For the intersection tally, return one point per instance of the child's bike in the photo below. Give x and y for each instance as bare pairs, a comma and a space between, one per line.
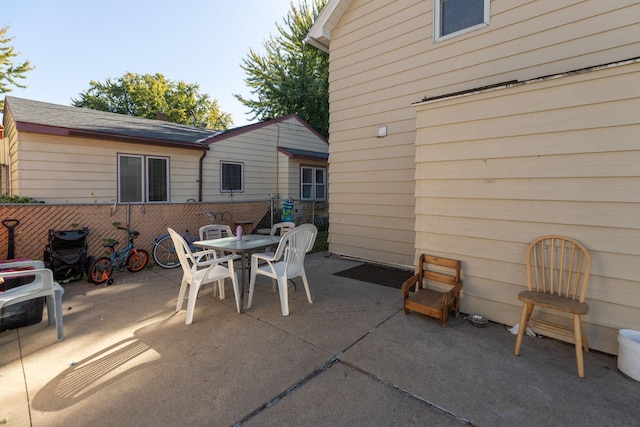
129, 257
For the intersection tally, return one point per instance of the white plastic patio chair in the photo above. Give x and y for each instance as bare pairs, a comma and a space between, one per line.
200, 269
286, 263
214, 231
42, 286
280, 228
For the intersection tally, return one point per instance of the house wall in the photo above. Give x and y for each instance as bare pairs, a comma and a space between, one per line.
7, 142
265, 170
285, 188
383, 59
290, 175
557, 156
58, 169
256, 151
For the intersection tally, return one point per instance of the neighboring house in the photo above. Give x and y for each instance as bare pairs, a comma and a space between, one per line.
61, 154
283, 157
466, 128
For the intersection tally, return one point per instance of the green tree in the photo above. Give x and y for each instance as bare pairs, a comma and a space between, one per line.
10, 72
292, 76
149, 95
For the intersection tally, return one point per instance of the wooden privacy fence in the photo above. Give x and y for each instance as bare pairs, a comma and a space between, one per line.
31, 235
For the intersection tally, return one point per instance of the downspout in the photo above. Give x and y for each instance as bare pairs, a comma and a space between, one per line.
5, 160
200, 167
277, 162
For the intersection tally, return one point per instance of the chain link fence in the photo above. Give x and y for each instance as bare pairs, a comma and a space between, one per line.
30, 236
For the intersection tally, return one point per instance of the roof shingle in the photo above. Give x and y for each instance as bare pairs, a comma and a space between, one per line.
83, 121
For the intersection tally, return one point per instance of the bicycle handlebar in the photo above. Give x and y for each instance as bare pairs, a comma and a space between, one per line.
216, 217
127, 229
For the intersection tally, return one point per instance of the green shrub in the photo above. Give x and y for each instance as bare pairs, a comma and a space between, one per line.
18, 199
321, 244
322, 222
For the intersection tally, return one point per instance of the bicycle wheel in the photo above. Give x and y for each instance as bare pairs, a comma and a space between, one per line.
100, 271
164, 253
137, 260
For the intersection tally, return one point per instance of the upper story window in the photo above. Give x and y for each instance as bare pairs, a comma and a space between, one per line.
455, 17
142, 178
313, 183
231, 177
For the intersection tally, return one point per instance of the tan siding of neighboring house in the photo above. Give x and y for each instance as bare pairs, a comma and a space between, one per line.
44, 162
556, 156
290, 184
8, 152
285, 187
291, 180
383, 59
266, 171
256, 151
62, 169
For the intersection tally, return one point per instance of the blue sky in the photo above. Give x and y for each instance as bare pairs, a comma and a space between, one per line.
71, 42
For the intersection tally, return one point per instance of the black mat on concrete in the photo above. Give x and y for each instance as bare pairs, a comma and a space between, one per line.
377, 274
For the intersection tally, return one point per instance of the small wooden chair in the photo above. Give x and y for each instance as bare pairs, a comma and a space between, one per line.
557, 276
437, 287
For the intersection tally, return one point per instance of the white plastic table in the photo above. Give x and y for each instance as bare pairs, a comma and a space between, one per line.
249, 244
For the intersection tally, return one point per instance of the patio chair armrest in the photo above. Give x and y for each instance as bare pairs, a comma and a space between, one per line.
43, 274
457, 287
198, 255
268, 257
452, 293
21, 264
19, 273
215, 261
414, 280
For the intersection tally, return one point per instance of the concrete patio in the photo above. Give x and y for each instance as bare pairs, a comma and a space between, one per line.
350, 358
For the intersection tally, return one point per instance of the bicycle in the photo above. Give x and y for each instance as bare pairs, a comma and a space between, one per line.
164, 253
130, 257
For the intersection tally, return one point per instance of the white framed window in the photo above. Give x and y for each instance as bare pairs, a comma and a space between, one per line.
157, 179
231, 177
455, 17
142, 178
313, 183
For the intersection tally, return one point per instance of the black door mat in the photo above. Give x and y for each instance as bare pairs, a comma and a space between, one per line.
377, 274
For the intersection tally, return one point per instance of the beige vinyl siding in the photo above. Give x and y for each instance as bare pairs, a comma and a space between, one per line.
289, 167
556, 156
285, 186
292, 179
59, 169
371, 179
266, 171
383, 59
295, 178
63, 169
258, 156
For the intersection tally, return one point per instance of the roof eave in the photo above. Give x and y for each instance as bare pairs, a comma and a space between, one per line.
60, 131
321, 157
320, 33
319, 42
254, 126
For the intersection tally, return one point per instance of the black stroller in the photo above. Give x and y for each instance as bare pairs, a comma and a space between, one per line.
66, 254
